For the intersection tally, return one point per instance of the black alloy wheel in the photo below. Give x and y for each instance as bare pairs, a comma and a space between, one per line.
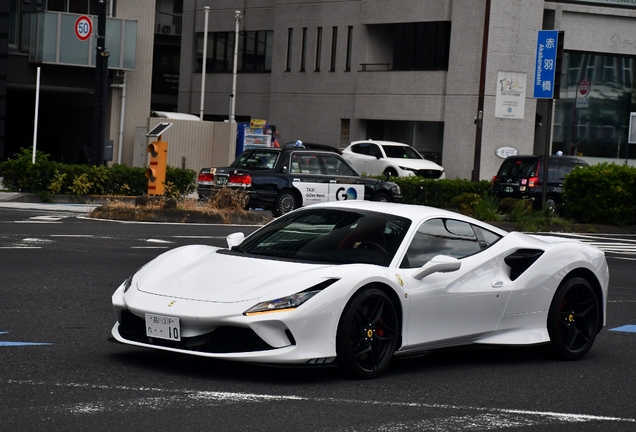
367, 334
573, 319
286, 201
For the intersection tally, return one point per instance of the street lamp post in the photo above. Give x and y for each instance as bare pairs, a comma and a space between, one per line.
206, 11
237, 19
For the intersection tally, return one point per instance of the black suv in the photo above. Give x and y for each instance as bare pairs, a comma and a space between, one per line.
522, 177
283, 179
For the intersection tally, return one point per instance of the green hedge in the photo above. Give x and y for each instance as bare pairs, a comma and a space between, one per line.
603, 193
437, 193
45, 176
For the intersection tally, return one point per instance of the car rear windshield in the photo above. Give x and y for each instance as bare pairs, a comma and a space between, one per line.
517, 168
256, 159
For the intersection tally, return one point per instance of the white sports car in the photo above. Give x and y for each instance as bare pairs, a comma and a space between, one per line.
355, 283
391, 159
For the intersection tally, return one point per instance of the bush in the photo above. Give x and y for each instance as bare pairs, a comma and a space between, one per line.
437, 193
22, 175
603, 193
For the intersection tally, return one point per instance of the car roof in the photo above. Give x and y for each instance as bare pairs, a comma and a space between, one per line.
381, 142
410, 211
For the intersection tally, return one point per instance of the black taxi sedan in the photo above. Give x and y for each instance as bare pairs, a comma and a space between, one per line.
283, 179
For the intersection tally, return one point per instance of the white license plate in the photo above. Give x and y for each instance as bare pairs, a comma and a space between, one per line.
163, 327
508, 189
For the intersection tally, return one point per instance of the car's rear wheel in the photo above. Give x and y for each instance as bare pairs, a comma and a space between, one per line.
367, 334
286, 201
573, 319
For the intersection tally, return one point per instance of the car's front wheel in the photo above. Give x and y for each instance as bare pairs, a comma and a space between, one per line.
390, 172
381, 197
286, 201
573, 319
367, 334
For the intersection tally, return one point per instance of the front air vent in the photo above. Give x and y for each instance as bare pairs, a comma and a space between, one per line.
521, 260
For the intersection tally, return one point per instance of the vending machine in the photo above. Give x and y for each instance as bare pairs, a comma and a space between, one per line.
255, 134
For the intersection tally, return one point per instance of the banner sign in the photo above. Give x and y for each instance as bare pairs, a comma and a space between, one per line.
511, 95
545, 64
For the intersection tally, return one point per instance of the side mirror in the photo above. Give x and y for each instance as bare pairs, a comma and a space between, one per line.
235, 239
438, 264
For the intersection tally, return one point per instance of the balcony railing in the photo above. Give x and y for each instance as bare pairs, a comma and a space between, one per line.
167, 23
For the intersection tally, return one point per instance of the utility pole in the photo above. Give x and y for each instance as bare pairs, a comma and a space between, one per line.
101, 88
237, 20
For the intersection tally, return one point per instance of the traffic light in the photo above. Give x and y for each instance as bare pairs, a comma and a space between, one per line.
156, 171
559, 65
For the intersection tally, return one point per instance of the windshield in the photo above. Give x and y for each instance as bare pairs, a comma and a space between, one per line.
256, 159
330, 236
401, 152
516, 168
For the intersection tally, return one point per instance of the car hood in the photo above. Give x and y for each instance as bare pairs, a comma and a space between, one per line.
202, 273
419, 164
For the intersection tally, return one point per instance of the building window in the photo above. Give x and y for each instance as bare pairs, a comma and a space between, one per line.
422, 46
14, 13
254, 51
303, 52
349, 47
75, 6
318, 48
334, 44
290, 38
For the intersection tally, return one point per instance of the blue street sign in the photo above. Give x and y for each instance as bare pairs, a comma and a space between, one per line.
545, 64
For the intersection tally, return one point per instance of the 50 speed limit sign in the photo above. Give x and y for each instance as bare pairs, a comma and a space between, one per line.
83, 27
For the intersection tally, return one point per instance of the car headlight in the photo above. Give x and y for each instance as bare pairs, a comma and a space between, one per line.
282, 304
128, 282
290, 302
407, 169
396, 190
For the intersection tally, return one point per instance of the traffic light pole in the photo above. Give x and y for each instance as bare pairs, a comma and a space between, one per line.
96, 156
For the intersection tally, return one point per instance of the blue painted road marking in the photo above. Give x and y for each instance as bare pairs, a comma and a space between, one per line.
4, 344
625, 328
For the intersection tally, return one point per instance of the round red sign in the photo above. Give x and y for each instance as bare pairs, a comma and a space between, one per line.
83, 27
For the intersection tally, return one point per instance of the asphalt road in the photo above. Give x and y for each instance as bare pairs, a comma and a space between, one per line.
59, 372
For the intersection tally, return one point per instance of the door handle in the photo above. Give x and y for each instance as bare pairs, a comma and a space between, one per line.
497, 284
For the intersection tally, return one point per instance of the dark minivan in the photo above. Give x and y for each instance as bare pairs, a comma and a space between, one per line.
522, 177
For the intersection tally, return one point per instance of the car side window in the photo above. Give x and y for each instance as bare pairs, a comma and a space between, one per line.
441, 237
336, 166
306, 163
361, 149
375, 151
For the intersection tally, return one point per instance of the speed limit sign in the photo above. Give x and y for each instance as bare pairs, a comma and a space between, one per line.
83, 27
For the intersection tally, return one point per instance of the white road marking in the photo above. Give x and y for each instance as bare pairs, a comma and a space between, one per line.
200, 237
48, 218
157, 241
482, 419
149, 247
36, 222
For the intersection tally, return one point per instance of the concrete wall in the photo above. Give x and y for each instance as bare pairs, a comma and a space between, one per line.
201, 143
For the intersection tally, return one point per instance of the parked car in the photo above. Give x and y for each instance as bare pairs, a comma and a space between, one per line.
522, 177
391, 159
283, 179
356, 283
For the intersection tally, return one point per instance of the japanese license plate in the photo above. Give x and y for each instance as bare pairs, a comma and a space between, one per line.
220, 181
163, 327
508, 189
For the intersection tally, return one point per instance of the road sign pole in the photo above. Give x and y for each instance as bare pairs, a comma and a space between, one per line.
101, 81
